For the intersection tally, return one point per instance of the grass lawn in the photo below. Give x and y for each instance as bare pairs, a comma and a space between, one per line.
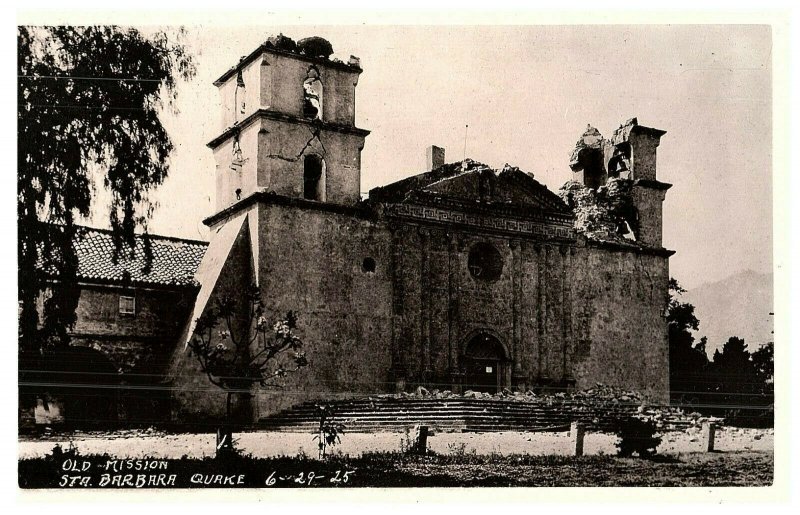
387, 469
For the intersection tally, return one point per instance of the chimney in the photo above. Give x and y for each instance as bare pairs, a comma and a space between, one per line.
435, 157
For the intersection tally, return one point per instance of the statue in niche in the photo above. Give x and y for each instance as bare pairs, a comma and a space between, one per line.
312, 95
486, 185
238, 157
239, 95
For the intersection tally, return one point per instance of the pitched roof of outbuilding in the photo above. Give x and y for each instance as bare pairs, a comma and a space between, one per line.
174, 262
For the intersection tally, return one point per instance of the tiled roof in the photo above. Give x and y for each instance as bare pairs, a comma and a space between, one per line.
174, 263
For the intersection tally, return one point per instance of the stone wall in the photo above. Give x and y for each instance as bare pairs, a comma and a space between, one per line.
388, 304
133, 341
312, 262
619, 324
567, 314
442, 306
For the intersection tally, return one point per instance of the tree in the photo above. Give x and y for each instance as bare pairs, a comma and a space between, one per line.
701, 345
241, 354
738, 390
687, 364
733, 370
88, 101
764, 363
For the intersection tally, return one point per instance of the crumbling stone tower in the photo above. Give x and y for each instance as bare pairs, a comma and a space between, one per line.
288, 125
587, 161
630, 154
632, 149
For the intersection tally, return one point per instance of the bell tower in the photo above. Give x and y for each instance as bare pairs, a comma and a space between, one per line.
288, 125
632, 154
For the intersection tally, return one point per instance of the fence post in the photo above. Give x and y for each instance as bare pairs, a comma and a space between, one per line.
421, 440
709, 430
576, 431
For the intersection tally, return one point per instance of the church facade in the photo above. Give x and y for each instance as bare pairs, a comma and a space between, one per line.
461, 277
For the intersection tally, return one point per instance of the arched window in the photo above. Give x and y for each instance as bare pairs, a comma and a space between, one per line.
312, 95
238, 96
314, 178
619, 166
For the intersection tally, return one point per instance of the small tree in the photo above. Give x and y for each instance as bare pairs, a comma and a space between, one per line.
328, 431
239, 352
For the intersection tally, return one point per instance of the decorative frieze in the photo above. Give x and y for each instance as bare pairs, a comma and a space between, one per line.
557, 230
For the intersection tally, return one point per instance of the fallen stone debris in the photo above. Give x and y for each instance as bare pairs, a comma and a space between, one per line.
606, 213
601, 398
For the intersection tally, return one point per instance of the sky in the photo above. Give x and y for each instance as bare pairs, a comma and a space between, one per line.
527, 93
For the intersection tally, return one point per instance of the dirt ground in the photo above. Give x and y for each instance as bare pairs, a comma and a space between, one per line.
153, 444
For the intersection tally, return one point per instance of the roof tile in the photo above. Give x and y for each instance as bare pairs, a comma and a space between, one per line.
175, 260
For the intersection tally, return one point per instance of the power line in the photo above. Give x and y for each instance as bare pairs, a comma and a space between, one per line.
70, 77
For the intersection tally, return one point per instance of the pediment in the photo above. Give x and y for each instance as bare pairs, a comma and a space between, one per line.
488, 186
474, 183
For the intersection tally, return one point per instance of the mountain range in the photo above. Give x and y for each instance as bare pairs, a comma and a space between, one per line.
739, 305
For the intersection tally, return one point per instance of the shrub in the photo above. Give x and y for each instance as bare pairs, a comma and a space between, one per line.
637, 435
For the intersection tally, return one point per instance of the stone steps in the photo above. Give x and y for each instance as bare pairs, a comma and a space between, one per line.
449, 415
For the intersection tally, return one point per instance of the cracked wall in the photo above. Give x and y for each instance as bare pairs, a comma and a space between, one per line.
263, 148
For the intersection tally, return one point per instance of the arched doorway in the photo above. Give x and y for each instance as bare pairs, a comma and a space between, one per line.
86, 383
485, 361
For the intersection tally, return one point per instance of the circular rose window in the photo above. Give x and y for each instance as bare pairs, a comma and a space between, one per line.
485, 262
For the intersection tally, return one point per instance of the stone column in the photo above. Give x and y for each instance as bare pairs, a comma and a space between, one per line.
397, 372
569, 333
425, 303
532, 310
517, 375
455, 249
452, 297
544, 340
564, 309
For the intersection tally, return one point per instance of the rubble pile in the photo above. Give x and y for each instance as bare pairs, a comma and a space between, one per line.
600, 401
607, 213
599, 394
314, 47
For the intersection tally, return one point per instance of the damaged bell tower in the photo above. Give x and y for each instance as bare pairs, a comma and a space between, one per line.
632, 153
629, 155
288, 125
